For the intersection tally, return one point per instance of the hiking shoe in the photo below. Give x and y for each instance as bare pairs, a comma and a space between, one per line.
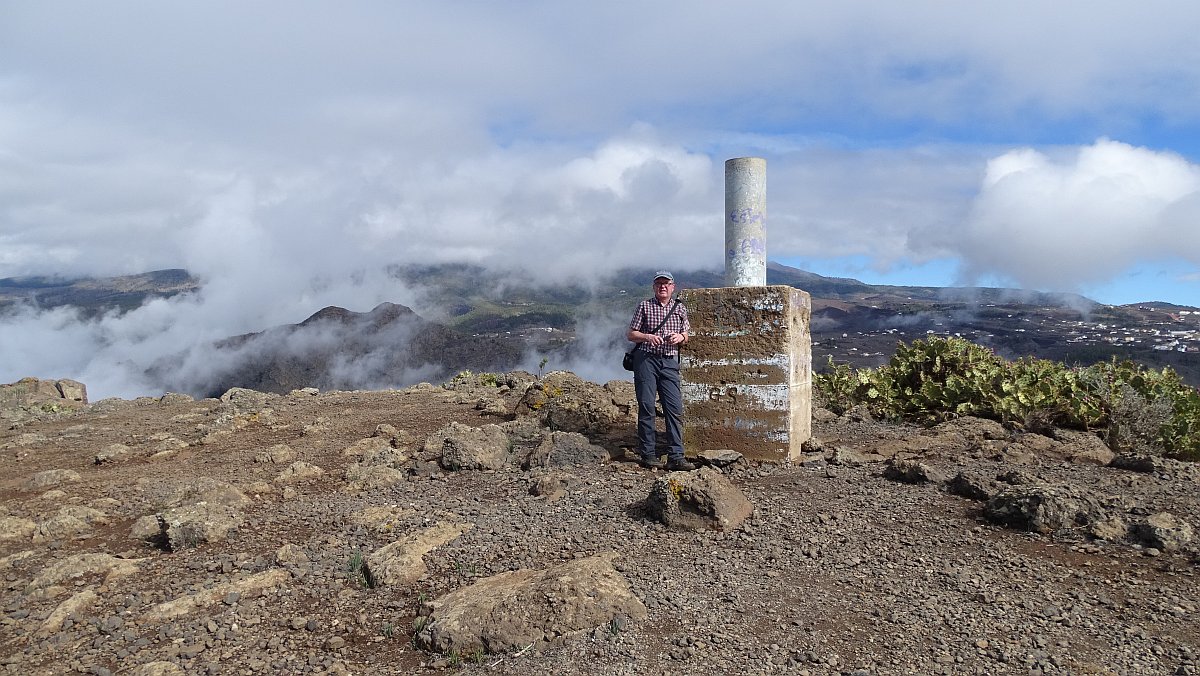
651, 463
681, 466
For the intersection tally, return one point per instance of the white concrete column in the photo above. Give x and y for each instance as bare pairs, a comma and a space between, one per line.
745, 221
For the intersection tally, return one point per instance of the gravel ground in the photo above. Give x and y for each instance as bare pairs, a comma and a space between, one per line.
838, 571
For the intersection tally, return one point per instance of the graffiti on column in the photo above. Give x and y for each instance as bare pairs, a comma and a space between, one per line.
748, 246
746, 215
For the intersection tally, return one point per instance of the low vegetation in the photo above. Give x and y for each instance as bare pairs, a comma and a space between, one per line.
1134, 407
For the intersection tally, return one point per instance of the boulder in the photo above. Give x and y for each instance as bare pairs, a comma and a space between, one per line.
361, 476
700, 500
1016, 477
368, 445
1164, 531
397, 438
972, 487
192, 525
514, 610
145, 528
1043, 508
175, 398
297, 472
276, 455
912, 472
244, 587
16, 528
974, 430
381, 518
402, 562
69, 521
1144, 464
848, 457
721, 457
291, 554
564, 401
242, 400
1015, 454
565, 449
1110, 528
188, 491
219, 493
491, 405
1082, 447
30, 392
1037, 444
79, 565
25, 440
166, 447
76, 604
71, 390
51, 478
464, 447
549, 486
112, 453
384, 456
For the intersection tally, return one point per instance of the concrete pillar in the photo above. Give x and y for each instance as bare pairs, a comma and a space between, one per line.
745, 221
747, 371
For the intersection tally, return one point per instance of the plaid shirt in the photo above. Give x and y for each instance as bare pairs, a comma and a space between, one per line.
648, 315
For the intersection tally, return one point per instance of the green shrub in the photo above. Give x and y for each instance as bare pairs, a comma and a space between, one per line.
939, 378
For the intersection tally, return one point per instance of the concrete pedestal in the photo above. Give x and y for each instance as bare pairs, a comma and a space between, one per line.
747, 371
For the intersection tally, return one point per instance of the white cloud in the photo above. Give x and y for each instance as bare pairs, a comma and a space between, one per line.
1081, 216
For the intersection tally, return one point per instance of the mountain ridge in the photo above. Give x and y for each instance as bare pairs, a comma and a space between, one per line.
467, 317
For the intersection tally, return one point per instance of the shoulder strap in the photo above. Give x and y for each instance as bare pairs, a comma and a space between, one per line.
664, 321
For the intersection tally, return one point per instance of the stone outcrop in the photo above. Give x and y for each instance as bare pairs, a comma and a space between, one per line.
1084, 447
242, 400
16, 528
51, 478
68, 521
522, 608
297, 472
79, 565
77, 603
563, 401
200, 600
1164, 531
402, 562
28, 392
278, 454
1042, 508
972, 486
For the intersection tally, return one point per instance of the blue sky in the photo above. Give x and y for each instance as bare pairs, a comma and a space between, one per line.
288, 152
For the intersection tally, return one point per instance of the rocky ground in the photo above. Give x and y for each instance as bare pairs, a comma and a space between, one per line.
363, 532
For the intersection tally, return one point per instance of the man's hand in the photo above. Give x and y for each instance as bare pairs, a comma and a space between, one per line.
675, 338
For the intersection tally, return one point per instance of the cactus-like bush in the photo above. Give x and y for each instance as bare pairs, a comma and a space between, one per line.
935, 379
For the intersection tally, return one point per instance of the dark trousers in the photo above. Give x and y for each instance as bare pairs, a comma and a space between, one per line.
652, 375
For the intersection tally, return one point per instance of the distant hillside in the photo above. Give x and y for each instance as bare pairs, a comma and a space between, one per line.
335, 348
94, 295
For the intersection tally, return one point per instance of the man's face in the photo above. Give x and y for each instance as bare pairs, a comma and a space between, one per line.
663, 288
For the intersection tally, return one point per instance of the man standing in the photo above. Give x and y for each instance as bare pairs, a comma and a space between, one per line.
659, 326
